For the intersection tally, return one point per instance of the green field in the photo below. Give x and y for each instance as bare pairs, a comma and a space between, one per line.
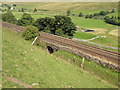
18, 15
82, 35
91, 23
32, 64
101, 29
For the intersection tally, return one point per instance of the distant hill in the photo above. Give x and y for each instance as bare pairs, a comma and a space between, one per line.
63, 6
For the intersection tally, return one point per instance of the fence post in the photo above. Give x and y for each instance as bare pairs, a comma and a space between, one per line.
82, 62
34, 40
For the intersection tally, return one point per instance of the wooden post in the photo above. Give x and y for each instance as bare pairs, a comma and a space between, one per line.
34, 40
82, 62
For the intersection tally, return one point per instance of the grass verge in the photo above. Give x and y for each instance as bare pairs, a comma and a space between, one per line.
92, 68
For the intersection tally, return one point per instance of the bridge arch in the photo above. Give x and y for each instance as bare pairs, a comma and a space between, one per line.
50, 49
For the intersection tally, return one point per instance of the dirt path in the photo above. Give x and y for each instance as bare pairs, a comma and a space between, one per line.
14, 80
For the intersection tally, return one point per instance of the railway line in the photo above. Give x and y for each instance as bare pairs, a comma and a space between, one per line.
78, 43
92, 50
113, 57
13, 26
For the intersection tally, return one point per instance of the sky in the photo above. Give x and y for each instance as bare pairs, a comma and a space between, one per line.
59, 0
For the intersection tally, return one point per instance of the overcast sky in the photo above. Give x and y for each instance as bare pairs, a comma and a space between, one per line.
59, 0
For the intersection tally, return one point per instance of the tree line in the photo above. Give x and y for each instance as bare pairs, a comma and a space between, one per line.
101, 15
59, 25
113, 20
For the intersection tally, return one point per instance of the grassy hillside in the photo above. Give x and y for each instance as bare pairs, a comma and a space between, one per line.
31, 65
82, 35
63, 6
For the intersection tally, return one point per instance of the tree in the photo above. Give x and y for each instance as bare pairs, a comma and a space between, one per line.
87, 16
35, 10
65, 24
25, 20
90, 16
118, 17
107, 17
102, 13
111, 20
107, 12
96, 14
59, 25
59, 32
9, 17
112, 17
2, 10
114, 22
68, 13
45, 24
14, 5
113, 10
22, 9
19, 10
80, 14
118, 23
30, 32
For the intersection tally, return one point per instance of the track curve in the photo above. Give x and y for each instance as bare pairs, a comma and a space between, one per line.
93, 50
101, 53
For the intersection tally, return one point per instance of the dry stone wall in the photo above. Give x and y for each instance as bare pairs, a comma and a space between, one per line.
84, 55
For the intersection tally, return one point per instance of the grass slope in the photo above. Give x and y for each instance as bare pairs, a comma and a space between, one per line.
31, 65
63, 6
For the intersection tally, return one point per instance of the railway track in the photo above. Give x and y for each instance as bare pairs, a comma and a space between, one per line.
92, 50
78, 43
113, 57
13, 26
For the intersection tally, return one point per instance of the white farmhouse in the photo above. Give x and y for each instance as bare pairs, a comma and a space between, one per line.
11, 8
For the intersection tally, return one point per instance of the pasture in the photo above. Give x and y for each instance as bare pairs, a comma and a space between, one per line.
91, 23
82, 35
